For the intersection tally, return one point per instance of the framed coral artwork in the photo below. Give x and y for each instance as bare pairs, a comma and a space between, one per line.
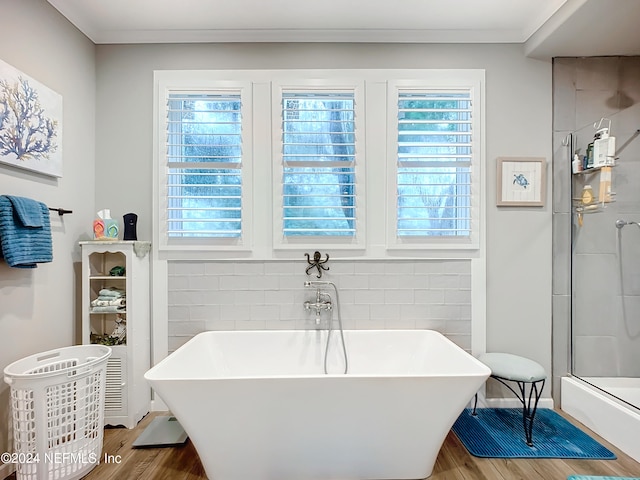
521, 182
30, 123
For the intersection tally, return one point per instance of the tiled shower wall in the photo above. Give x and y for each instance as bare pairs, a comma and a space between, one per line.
603, 297
269, 295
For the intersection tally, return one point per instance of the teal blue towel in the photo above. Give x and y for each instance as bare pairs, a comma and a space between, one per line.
25, 232
29, 211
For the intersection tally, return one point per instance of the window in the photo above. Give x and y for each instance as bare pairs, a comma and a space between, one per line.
318, 157
317, 148
202, 180
306, 136
434, 162
204, 159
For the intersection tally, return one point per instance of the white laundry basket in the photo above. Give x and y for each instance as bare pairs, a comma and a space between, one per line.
57, 403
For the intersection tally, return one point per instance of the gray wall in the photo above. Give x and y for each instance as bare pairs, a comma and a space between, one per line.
606, 336
38, 306
518, 123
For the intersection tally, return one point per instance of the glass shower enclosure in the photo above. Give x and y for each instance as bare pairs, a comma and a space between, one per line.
605, 261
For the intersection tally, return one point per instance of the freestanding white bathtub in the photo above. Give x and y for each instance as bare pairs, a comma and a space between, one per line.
257, 405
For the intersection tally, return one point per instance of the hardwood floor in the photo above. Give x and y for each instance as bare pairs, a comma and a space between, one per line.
453, 463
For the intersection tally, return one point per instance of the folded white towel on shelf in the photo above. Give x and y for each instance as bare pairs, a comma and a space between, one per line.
112, 292
108, 309
103, 301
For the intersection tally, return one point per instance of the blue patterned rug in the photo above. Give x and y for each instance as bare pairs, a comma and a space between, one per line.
498, 433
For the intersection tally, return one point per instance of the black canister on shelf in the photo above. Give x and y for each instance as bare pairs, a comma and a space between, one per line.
130, 226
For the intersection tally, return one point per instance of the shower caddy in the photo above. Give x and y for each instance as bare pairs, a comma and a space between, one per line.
126, 331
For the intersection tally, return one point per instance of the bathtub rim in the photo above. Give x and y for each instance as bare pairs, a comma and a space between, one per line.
150, 376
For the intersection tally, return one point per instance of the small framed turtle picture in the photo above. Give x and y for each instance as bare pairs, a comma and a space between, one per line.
521, 182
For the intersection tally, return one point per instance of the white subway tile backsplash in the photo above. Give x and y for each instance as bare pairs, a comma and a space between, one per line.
404, 268
220, 324
443, 280
399, 296
336, 268
434, 266
260, 282
204, 282
249, 268
464, 281
192, 327
385, 281
179, 311
384, 312
290, 282
400, 323
264, 312
249, 297
181, 282
234, 282
284, 297
353, 281
431, 324
176, 342
374, 294
279, 324
186, 297
203, 312
444, 311
435, 296
219, 268
251, 325
414, 311
235, 312
457, 296
356, 311
368, 297
367, 324
186, 268
222, 297
281, 268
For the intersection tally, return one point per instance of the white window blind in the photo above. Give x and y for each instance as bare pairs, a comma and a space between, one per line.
318, 163
204, 164
434, 162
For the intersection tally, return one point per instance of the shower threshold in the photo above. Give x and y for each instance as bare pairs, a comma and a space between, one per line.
625, 389
615, 420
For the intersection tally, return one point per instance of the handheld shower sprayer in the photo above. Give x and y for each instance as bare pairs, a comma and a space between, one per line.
621, 223
317, 283
328, 306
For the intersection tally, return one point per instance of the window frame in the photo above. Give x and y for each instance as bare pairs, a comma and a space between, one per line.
471, 81
376, 134
315, 85
166, 83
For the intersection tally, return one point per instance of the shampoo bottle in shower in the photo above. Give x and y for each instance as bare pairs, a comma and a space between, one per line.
589, 155
604, 148
587, 197
576, 165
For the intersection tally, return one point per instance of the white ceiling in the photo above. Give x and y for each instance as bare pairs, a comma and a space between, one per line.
543, 26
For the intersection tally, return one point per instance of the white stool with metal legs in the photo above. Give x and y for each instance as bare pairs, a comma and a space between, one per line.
524, 372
